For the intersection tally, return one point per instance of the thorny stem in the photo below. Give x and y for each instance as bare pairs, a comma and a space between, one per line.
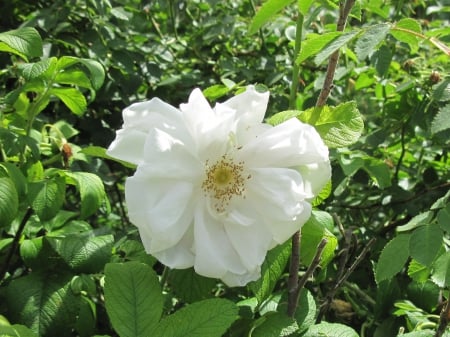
15, 242
344, 11
443, 320
294, 296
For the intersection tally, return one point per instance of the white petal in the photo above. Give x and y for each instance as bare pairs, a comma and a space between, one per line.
239, 280
179, 256
128, 146
250, 106
250, 242
315, 176
161, 209
139, 118
214, 253
291, 143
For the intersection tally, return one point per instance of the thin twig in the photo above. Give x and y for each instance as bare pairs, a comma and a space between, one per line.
295, 66
344, 11
15, 242
312, 267
293, 273
443, 320
330, 296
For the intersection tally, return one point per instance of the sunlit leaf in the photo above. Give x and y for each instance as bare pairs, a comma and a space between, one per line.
9, 201
393, 258
441, 270
266, 12
24, 42
72, 98
370, 38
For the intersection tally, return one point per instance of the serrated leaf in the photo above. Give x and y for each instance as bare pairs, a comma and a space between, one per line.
133, 298
443, 218
334, 45
82, 253
313, 231
418, 272
441, 270
418, 220
17, 177
47, 197
267, 11
271, 269
441, 121
96, 71
9, 201
381, 60
275, 324
338, 126
425, 243
314, 43
33, 70
210, 318
24, 42
369, 39
44, 303
190, 286
392, 258
404, 30
325, 329
91, 190
72, 98
306, 311
73, 77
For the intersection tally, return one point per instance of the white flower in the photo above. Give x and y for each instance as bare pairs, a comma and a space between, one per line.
215, 188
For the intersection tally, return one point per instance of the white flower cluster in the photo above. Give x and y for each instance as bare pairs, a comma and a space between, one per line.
216, 188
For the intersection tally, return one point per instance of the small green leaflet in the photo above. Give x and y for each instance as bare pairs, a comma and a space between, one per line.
393, 257
9, 201
266, 12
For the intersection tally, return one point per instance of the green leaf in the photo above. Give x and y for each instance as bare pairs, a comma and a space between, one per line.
306, 311
268, 10
91, 190
443, 218
381, 60
418, 272
314, 43
17, 177
43, 302
82, 253
325, 329
313, 231
47, 197
405, 31
216, 91
96, 71
190, 286
24, 42
441, 270
392, 258
31, 71
72, 98
275, 324
16, 330
425, 243
210, 318
370, 38
271, 270
283, 116
418, 220
133, 298
9, 201
73, 77
98, 151
304, 6
338, 126
441, 121
334, 45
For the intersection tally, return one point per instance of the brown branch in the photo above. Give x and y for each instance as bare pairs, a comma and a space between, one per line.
293, 274
344, 11
301, 283
443, 320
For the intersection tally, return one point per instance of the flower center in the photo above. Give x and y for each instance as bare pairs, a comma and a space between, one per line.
224, 180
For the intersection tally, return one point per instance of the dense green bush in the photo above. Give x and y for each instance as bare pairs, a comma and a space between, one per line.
71, 264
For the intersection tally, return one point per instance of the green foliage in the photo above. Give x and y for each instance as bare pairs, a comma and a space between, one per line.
71, 264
